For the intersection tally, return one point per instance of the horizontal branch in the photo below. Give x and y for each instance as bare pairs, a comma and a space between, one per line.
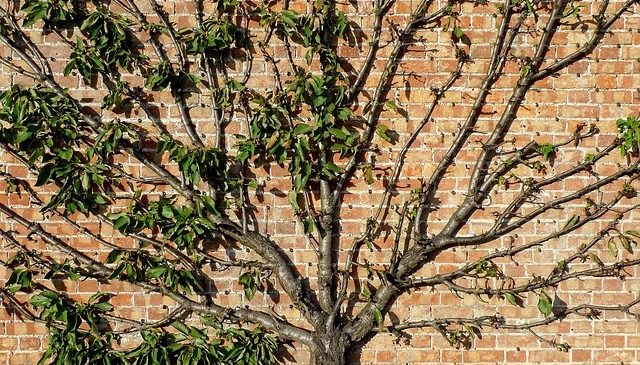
442, 325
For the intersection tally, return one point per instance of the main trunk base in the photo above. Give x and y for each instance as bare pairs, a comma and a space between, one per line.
330, 350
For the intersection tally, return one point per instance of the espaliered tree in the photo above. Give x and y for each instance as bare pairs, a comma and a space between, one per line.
321, 119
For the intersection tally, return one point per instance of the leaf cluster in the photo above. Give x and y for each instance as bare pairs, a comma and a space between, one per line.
629, 130
137, 266
37, 121
216, 35
80, 333
43, 126
195, 164
184, 225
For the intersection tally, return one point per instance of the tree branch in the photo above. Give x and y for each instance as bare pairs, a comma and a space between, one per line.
504, 40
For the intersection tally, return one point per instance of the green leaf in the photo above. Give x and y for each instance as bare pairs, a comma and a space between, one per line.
155, 272
367, 172
23, 136
249, 292
331, 170
383, 132
114, 256
43, 299
338, 133
572, 11
167, 212
99, 199
103, 307
378, 317
35, 155
613, 248
45, 174
473, 330
209, 203
530, 9
390, 104
593, 257
633, 233
180, 327
248, 281
366, 293
369, 244
98, 296
66, 154
575, 219
293, 200
71, 65
19, 279
308, 225
319, 100
343, 114
544, 304
301, 128
118, 271
34, 16
457, 32
589, 157
511, 298
121, 222
625, 243
547, 150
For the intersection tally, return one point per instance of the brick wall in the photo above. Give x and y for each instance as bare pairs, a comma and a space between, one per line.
599, 89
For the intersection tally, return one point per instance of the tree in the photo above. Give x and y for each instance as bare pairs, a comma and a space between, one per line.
185, 220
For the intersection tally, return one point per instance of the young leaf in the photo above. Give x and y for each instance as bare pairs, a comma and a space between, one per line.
593, 257
547, 150
625, 243
457, 32
575, 219
390, 104
383, 132
613, 248
366, 293
544, 304
367, 172
511, 298
378, 317
633, 233
293, 200
308, 225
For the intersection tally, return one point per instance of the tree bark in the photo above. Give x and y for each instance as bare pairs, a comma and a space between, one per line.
330, 349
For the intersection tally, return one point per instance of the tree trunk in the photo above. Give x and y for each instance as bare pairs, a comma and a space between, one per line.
330, 349
331, 358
